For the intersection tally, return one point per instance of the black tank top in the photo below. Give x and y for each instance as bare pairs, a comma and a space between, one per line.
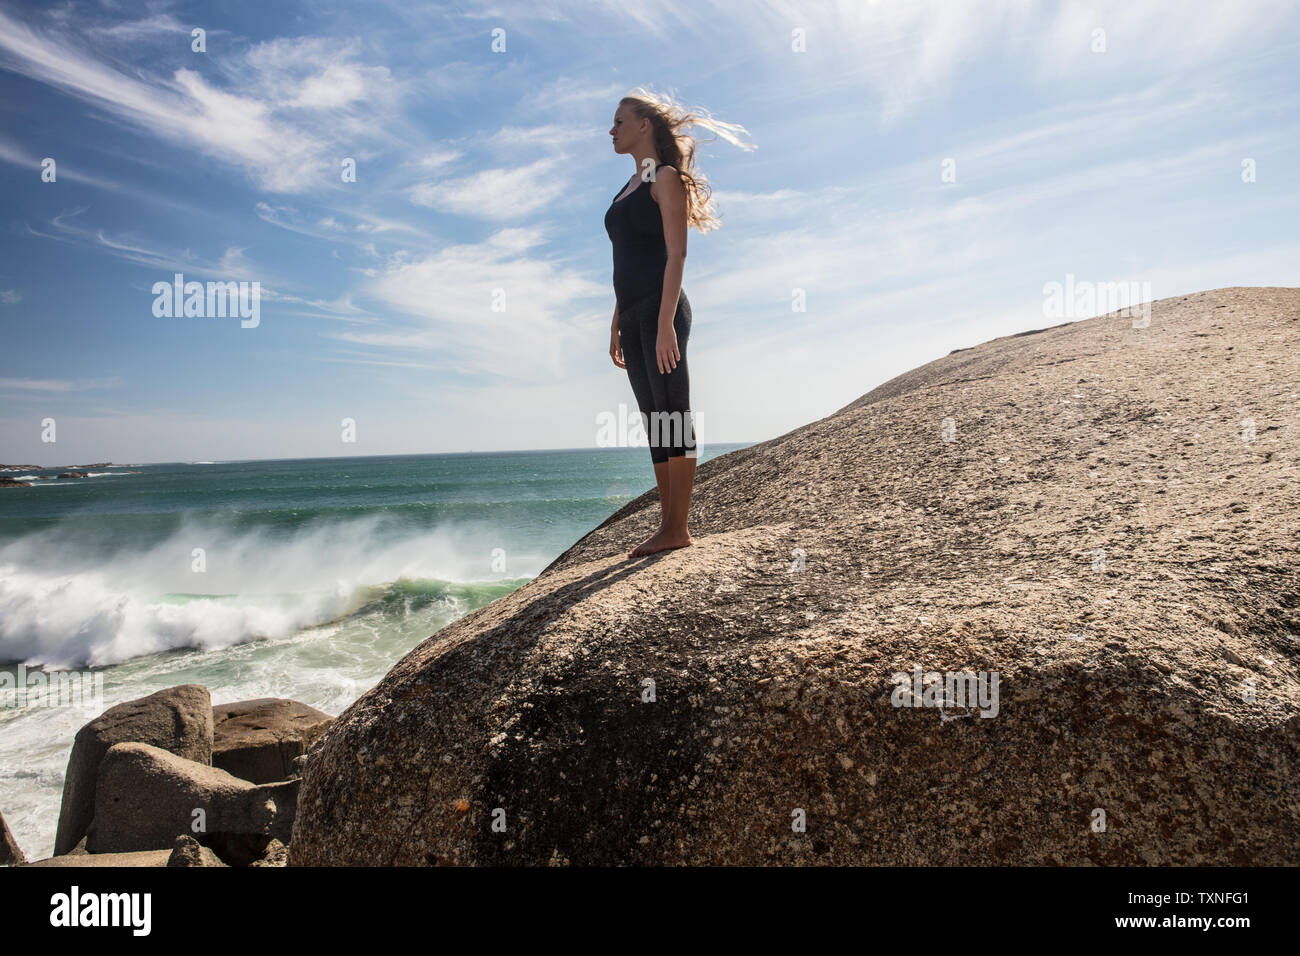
636, 229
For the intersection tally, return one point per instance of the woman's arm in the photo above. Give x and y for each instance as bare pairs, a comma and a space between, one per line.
615, 343
669, 191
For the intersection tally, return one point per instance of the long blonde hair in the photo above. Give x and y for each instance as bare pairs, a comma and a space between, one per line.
677, 149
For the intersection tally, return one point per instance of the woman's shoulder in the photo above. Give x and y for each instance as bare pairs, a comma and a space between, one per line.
666, 173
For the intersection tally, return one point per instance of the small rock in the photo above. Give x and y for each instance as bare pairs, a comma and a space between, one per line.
188, 851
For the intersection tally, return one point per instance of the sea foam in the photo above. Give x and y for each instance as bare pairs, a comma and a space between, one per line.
62, 607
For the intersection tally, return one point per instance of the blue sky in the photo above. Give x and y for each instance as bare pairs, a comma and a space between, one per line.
480, 170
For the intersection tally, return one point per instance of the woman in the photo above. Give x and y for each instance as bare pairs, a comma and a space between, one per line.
647, 223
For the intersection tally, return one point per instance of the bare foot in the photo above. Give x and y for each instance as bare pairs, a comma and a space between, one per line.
640, 548
661, 540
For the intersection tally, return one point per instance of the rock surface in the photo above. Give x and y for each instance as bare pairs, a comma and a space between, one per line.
141, 858
1102, 515
10, 853
177, 719
259, 740
146, 797
187, 851
275, 854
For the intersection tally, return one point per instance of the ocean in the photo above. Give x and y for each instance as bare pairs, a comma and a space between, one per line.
305, 579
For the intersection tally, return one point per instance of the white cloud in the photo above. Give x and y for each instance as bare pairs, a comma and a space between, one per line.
331, 228
280, 121
551, 136
133, 31
439, 157
52, 385
497, 193
450, 295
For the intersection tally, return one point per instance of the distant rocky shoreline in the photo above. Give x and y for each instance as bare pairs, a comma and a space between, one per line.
98, 464
66, 472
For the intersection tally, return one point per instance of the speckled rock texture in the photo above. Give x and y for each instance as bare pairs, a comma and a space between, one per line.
259, 740
1102, 515
177, 719
187, 851
10, 853
145, 797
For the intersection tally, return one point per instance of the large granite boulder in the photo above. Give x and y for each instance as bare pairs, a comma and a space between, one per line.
259, 740
1101, 515
178, 719
146, 797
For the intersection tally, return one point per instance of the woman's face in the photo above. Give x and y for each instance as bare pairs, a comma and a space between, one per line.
626, 129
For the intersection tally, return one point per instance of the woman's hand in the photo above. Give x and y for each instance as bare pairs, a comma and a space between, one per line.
616, 349
666, 349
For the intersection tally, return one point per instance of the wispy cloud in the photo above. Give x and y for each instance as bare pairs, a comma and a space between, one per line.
281, 122
52, 385
16, 155
497, 193
231, 265
359, 227
149, 27
496, 305
342, 309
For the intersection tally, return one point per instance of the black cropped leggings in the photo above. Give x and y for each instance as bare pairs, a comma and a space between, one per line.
664, 400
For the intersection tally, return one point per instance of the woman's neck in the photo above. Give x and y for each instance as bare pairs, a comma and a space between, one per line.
643, 169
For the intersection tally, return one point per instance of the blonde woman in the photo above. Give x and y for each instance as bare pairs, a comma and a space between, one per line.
647, 223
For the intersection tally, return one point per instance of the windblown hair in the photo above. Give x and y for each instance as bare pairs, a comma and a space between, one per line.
667, 120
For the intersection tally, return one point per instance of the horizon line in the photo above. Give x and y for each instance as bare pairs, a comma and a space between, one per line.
418, 454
